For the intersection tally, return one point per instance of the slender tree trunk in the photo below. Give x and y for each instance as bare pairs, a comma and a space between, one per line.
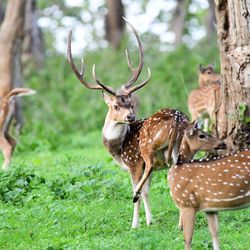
233, 28
114, 24
9, 31
178, 20
210, 25
1, 11
33, 49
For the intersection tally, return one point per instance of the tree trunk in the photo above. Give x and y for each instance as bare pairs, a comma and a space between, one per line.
33, 49
233, 28
1, 11
210, 25
178, 20
9, 31
114, 24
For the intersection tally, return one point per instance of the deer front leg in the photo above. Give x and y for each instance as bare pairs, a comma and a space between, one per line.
7, 150
212, 219
136, 174
148, 169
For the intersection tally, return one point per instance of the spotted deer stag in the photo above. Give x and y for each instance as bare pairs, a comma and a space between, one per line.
138, 146
206, 98
8, 143
210, 185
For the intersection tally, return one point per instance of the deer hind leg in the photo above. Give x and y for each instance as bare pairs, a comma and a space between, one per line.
188, 216
145, 191
148, 158
212, 219
7, 150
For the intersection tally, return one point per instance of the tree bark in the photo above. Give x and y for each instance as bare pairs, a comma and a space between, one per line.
210, 25
10, 29
233, 29
114, 24
178, 20
1, 11
33, 49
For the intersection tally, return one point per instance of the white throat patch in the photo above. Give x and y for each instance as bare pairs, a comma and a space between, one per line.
113, 130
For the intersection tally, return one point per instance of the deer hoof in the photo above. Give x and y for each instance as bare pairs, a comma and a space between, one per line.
136, 197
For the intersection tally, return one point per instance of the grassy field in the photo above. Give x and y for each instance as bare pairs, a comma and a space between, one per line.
76, 198
63, 191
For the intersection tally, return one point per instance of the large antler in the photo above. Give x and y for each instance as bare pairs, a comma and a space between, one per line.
80, 74
135, 71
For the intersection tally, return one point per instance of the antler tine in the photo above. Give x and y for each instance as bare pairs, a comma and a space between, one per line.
131, 90
107, 88
135, 71
81, 73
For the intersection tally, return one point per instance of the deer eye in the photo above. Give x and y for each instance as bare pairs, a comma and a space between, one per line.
115, 107
132, 106
202, 136
209, 72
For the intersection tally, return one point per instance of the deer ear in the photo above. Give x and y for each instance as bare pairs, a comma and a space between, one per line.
212, 65
106, 97
200, 68
196, 125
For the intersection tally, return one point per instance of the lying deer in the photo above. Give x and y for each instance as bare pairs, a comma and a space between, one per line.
205, 99
128, 140
7, 143
210, 185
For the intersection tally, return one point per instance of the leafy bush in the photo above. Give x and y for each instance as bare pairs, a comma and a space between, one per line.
17, 184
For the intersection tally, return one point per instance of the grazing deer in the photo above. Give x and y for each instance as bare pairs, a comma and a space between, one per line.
210, 185
7, 143
205, 99
138, 146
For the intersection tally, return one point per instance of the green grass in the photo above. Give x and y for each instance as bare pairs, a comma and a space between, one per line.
76, 198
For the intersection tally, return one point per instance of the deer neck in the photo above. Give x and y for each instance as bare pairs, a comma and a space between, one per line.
185, 152
114, 134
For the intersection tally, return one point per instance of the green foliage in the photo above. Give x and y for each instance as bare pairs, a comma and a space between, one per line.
16, 185
242, 109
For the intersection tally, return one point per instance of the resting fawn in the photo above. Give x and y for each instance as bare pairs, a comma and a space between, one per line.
210, 185
7, 143
138, 146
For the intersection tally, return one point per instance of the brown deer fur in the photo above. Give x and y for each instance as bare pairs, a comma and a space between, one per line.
205, 99
7, 143
210, 185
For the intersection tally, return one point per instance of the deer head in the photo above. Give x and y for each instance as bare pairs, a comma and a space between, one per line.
119, 101
207, 75
195, 139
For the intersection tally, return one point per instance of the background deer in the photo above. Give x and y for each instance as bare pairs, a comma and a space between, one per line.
205, 99
140, 144
8, 143
210, 185
207, 75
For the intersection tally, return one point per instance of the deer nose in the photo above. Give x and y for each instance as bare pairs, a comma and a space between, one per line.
131, 117
221, 145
